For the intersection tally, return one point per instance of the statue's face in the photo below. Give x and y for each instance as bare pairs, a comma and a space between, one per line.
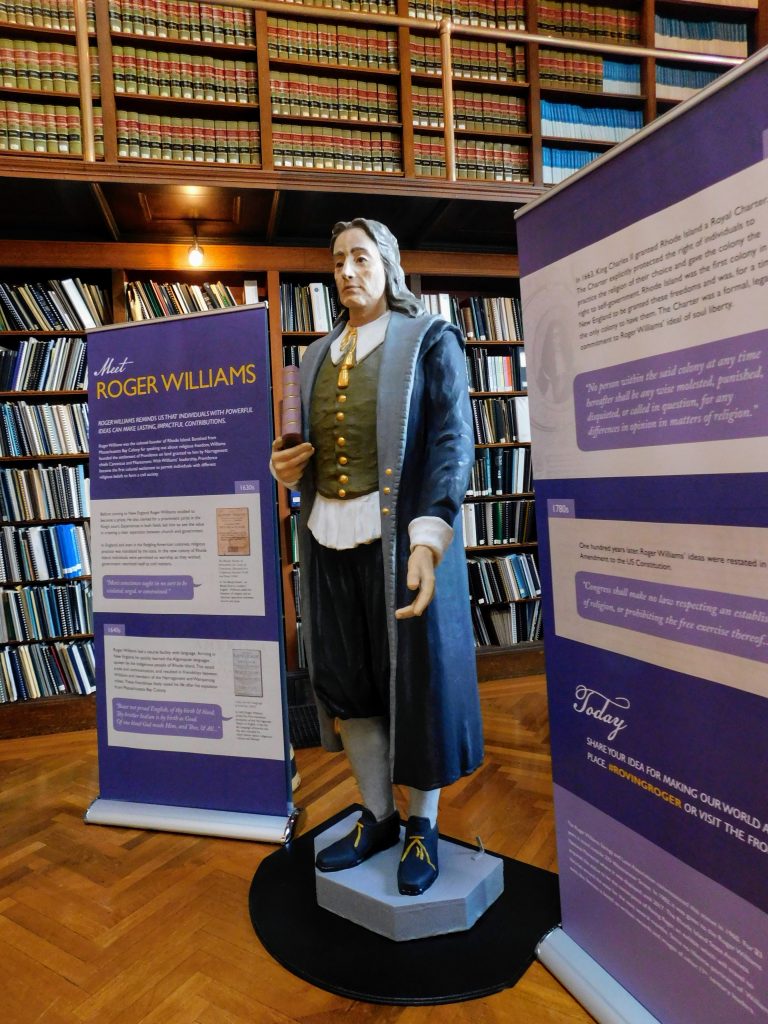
360, 275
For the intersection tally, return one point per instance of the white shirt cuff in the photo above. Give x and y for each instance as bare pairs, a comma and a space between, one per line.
432, 531
291, 487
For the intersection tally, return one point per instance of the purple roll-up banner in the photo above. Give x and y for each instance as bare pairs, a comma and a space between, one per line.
645, 305
192, 722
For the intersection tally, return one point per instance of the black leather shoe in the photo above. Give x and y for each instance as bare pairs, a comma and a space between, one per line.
418, 865
366, 838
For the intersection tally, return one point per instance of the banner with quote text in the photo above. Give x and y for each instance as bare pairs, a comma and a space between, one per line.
645, 303
187, 617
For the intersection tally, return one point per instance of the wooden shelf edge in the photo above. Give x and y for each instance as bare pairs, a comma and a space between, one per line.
170, 258
503, 662
247, 176
67, 713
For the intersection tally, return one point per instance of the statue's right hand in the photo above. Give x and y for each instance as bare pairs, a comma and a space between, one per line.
288, 464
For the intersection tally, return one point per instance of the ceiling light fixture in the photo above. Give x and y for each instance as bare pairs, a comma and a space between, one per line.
195, 254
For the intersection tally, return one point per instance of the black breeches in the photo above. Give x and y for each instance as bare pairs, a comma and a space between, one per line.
349, 640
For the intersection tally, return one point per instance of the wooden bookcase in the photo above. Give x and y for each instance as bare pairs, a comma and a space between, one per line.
314, 91
242, 96
44, 468
120, 263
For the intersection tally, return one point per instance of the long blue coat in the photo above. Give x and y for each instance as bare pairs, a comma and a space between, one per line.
425, 438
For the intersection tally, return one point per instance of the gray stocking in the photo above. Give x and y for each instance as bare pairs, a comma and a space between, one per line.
422, 803
366, 742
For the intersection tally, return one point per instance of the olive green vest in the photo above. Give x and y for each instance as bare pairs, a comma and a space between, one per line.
343, 429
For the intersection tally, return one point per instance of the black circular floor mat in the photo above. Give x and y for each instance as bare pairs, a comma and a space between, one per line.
344, 958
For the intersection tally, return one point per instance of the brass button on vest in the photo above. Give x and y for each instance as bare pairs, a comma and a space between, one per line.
343, 479
385, 511
342, 493
340, 416
387, 490
343, 460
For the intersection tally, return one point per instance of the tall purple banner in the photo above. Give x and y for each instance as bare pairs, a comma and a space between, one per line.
187, 616
645, 301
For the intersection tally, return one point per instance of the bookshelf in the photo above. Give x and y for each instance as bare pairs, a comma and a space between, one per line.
46, 650
357, 87
216, 101
499, 509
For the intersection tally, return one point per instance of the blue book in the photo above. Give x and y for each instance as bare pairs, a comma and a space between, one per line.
69, 552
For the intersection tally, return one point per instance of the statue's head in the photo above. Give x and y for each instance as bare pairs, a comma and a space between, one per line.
399, 296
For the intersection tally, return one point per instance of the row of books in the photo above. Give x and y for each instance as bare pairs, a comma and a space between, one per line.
346, 99
604, 124
307, 307
293, 521
501, 420
481, 317
479, 111
44, 364
476, 159
150, 300
678, 83
47, 611
336, 148
42, 430
498, 522
182, 19
501, 471
293, 354
589, 72
621, 76
55, 14
46, 670
188, 76
300, 651
725, 38
42, 66
589, 21
470, 58
332, 43
507, 627
504, 579
44, 492
46, 128
493, 372
366, 6
155, 137
559, 164
57, 552
67, 305
296, 587
483, 13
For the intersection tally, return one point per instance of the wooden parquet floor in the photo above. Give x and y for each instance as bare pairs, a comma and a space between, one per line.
116, 926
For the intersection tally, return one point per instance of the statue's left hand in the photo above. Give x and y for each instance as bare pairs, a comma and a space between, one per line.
421, 577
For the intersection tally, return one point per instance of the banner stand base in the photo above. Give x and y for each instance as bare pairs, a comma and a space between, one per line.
196, 820
597, 991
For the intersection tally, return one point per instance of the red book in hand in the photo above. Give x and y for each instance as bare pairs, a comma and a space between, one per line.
290, 429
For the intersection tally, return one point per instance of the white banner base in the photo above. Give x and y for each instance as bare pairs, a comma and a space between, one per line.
196, 820
597, 991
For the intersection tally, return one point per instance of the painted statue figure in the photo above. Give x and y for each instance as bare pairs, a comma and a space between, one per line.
384, 580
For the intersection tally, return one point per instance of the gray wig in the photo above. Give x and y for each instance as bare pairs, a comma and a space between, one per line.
399, 296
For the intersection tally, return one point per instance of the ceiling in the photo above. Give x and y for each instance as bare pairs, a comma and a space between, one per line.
87, 211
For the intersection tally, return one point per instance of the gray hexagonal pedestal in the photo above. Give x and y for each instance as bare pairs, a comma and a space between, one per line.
468, 883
